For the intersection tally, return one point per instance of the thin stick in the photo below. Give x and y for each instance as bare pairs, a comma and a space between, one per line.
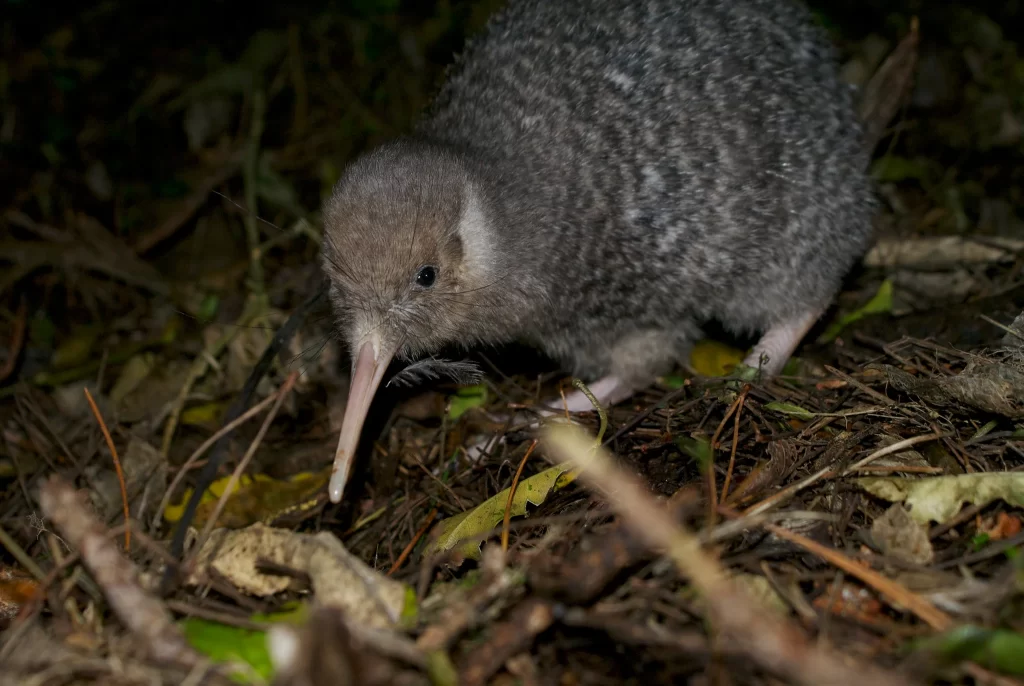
897, 593
735, 441
117, 467
511, 495
711, 477
201, 450
19, 554
140, 611
788, 492
412, 544
237, 474
862, 387
732, 408
775, 643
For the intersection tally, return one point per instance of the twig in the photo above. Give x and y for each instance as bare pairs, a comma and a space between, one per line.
118, 578
64, 562
735, 440
412, 544
19, 554
664, 401
117, 467
531, 617
988, 319
189, 207
897, 593
894, 448
862, 387
511, 495
201, 450
241, 401
579, 577
470, 610
237, 474
721, 424
788, 492
711, 477
773, 642
198, 369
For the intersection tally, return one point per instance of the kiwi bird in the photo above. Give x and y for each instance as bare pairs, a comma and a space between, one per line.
598, 179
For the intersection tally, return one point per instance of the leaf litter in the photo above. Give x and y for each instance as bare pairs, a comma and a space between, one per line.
873, 489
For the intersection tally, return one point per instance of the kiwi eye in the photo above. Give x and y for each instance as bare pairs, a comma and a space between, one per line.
426, 276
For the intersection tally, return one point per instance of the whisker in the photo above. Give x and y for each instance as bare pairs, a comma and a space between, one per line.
488, 285
246, 210
319, 344
431, 369
303, 370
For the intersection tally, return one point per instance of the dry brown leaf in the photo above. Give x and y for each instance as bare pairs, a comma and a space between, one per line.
898, 536
995, 387
339, 579
783, 457
16, 589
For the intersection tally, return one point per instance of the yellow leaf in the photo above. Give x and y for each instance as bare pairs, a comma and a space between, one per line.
77, 349
202, 415
257, 498
486, 516
714, 359
790, 409
134, 372
939, 498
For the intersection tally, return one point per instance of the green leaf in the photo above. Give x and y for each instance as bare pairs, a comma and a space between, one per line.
466, 399
485, 517
225, 643
996, 649
672, 381
208, 308
699, 449
792, 410
879, 304
939, 498
441, 669
893, 168
77, 349
410, 609
41, 331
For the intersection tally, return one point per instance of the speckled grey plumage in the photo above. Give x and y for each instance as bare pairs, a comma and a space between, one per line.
599, 177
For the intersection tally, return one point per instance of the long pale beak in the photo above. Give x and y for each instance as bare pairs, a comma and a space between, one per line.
368, 369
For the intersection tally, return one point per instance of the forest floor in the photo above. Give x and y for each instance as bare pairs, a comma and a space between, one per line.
859, 517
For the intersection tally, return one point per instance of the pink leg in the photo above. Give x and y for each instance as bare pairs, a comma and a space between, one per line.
779, 343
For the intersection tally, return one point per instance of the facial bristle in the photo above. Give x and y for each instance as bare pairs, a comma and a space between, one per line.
461, 372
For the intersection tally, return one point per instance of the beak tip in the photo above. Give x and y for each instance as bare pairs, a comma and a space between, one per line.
368, 369
336, 487
339, 476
